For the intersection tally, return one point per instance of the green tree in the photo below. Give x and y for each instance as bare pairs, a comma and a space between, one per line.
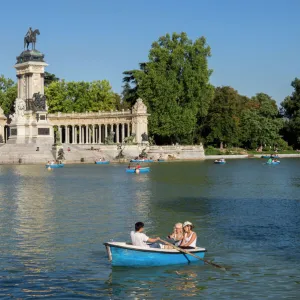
223, 120
8, 94
80, 96
291, 111
261, 122
48, 78
174, 84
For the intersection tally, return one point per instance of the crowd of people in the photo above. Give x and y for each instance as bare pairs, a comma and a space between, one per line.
183, 237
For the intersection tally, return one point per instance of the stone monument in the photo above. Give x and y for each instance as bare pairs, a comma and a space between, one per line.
29, 123
140, 121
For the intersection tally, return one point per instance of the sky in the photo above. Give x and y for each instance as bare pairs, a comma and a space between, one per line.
255, 45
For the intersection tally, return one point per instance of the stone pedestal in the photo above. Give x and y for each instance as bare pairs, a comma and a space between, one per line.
29, 123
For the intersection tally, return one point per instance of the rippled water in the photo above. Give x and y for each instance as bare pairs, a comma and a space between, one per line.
53, 225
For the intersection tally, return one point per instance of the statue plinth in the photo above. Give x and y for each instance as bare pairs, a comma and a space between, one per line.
29, 123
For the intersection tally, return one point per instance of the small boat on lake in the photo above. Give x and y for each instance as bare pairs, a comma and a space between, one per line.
141, 170
220, 162
161, 160
54, 166
127, 255
273, 162
269, 156
142, 160
106, 162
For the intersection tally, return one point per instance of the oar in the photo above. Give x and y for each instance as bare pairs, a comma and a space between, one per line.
192, 254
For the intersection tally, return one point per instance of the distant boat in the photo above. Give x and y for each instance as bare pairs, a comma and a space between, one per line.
273, 163
55, 166
106, 162
142, 160
126, 255
218, 162
141, 170
269, 156
160, 160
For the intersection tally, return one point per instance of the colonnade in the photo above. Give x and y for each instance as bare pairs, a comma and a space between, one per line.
92, 133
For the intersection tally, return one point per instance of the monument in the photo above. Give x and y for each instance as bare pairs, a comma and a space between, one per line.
29, 123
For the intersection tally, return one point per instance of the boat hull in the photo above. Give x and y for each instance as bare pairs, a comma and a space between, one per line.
123, 255
273, 163
220, 162
102, 162
142, 170
141, 161
55, 166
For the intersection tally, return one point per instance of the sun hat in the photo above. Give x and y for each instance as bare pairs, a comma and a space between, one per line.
187, 223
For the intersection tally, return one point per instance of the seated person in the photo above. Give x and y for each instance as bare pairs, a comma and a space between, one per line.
177, 235
138, 238
189, 239
138, 166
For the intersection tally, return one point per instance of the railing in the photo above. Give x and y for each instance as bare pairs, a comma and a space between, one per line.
90, 114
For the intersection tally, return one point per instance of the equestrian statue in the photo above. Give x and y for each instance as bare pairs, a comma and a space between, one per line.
30, 38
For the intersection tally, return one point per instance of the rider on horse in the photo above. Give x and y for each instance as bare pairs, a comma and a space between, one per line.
29, 32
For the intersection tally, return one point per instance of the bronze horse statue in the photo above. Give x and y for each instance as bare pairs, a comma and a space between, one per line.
31, 39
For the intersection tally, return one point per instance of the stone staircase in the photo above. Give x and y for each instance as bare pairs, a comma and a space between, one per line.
25, 153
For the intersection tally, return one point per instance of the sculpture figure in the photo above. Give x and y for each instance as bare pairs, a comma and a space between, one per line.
30, 38
20, 107
144, 137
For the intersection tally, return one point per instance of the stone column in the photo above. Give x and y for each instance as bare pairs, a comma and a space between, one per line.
86, 134
123, 131
117, 134
79, 129
60, 134
93, 137
73, 135
99, 137
105, 134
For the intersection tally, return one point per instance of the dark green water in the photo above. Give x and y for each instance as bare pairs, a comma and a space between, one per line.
53, 225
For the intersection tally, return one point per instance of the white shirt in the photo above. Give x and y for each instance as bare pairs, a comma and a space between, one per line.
139, 239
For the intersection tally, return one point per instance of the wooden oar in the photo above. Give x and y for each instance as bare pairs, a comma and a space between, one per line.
192, 254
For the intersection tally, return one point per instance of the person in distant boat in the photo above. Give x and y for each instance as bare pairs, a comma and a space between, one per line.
129, 166
189, 239
103, 158
100, 159
138, 238
52, 162
270, 160
138, 166
48, 163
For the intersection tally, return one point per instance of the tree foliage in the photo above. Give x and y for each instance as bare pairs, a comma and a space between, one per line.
49, 78
8, 94
80, 96
291, 111
174, 84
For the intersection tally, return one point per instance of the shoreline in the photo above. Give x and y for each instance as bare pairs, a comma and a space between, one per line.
207, 157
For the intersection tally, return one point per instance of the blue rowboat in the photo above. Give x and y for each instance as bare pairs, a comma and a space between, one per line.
220, 162
142, 170
269, 156
141, 160
102, 162
160, 160
55, 166
273, 163
127, 255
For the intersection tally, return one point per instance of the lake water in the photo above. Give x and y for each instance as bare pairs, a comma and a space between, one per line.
53, 225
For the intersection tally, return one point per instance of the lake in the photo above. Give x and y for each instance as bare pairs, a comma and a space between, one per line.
53, 225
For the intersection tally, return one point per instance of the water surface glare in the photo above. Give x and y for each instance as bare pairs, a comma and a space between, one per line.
53, 225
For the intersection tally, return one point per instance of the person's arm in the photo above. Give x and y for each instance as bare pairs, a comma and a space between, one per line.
150, 240
191, 240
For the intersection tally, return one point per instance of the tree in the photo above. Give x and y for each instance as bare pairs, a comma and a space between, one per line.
223, 120
80, 96
8, 94
49, 78
261, 122
174, 84
291, 111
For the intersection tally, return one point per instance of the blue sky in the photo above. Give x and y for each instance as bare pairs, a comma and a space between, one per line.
255, 44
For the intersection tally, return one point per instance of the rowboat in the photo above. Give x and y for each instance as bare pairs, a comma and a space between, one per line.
269, 156
127, 255
106, 162
55, 166
273, 163
142, 160
142, 170
160, 160
220, 162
